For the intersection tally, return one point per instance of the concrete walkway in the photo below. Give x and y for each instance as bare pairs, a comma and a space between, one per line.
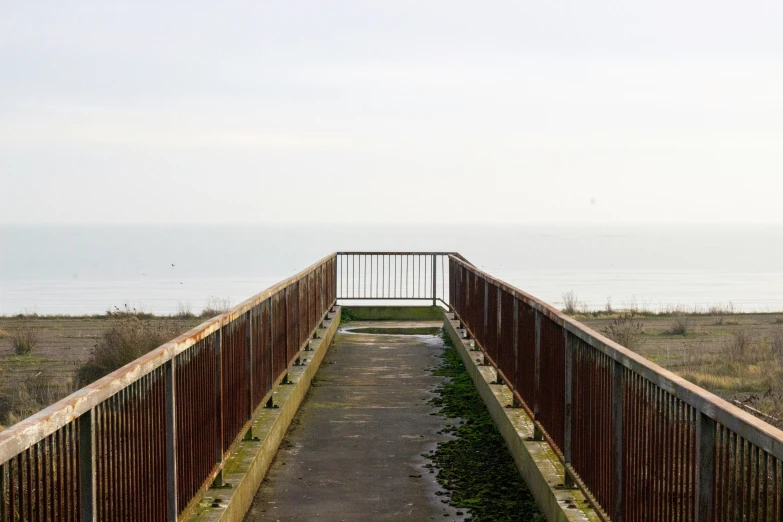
354, 449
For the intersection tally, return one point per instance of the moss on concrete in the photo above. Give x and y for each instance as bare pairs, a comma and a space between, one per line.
398, 330
475, 468
391, 313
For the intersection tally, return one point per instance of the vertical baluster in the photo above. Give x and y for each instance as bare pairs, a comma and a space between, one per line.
618, 372
219, 403
515, 400
2, 492
171, 439
434, 279
537, 435
705, 466
570, 342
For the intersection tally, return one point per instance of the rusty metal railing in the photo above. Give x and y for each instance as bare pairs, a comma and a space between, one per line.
395, 276
641, 442
144, 442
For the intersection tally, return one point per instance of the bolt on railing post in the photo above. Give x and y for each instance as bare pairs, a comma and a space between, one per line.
86, 466
171, 441
618, 371
537, 435
705, 466
434, 279
569, 382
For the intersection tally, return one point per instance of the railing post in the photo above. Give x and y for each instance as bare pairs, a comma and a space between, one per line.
171, 442
249, 363
486, 309
270, 403
537, 434
219, 400
434, 279
569, 384
514, 400
617, 411
705, 466
86, 466
498, 317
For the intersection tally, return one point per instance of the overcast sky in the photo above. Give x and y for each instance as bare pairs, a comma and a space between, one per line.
401, 110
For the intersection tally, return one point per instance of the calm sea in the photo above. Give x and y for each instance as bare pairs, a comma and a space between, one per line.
160, 268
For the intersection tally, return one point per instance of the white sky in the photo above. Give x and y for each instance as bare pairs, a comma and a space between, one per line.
401, 110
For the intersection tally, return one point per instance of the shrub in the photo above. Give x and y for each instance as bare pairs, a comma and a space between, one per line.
779, 319
24, 338
570, 302
625, 330
216, 306
184, 311
721, 311
127, 340
776, 342
740, 344
681, 325
127, 311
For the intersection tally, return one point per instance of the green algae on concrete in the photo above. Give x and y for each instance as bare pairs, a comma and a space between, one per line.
476, 467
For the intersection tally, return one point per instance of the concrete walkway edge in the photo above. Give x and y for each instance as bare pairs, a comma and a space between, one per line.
246, 468
536, 460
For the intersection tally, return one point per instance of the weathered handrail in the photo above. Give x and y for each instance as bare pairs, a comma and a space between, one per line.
125, 443
642, 443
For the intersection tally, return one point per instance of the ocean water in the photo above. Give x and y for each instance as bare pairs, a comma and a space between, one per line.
50, 269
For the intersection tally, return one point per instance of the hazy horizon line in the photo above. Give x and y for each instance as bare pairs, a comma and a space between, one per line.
392, 223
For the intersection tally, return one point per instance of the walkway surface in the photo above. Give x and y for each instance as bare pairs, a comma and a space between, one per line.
354, 450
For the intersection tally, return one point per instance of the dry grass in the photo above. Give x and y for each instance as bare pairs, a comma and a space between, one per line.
745, 363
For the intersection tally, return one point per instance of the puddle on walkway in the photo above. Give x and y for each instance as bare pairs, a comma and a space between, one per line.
395, 330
